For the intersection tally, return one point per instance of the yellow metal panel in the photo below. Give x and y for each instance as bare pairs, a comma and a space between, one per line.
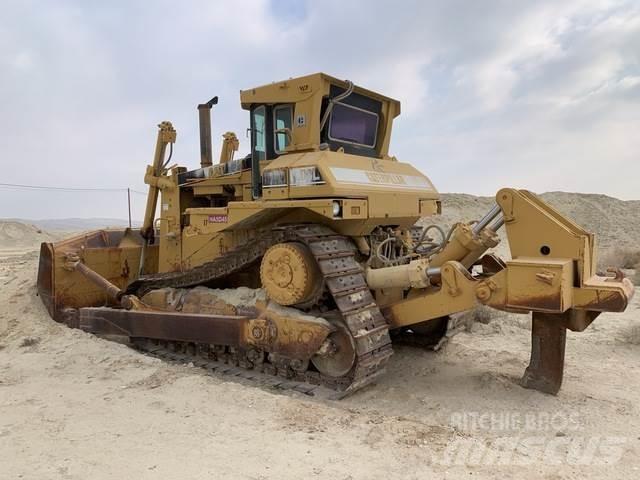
524, 213
352, 208
357, 176
395, 206
428, 208
275, 193
170, 252
540, 285
208, 189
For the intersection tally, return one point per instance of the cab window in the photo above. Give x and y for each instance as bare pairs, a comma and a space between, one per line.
282, 119
350, 124
258, 129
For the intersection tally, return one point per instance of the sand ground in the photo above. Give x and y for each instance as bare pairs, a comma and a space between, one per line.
73, 406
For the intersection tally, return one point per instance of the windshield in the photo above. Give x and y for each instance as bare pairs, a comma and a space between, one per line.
353, 125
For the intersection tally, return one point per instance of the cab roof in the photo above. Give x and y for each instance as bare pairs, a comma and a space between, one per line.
299, 89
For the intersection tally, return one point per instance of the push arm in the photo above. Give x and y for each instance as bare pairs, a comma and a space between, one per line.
153, 176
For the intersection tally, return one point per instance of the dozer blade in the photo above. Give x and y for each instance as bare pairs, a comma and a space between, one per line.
548, 340
45, 278
115, 254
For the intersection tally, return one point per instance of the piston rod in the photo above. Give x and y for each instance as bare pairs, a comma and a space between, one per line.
497, 225
486, 220
415, 274
114, 292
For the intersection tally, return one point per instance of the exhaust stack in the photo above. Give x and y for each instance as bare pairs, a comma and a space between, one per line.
204, 114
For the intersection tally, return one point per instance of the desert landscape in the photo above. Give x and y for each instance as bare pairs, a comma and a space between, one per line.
74, 406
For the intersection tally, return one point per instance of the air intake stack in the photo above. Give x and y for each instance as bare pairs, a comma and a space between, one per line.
204, 114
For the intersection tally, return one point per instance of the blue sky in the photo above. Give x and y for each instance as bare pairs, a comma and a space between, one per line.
542, 95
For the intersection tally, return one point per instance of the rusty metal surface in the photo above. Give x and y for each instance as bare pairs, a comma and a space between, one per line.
293, 337
178, 326
546, 366
45, 278
611, 301
113, 254
271, 328
114, 292
579, 320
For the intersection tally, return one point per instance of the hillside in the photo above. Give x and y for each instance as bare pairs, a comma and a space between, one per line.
15, 234
77, 224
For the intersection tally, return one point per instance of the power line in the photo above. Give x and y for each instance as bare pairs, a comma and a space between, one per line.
68, 189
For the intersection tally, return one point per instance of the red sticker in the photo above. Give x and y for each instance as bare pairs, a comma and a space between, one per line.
218, 218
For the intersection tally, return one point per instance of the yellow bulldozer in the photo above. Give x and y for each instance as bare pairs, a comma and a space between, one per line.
300, 263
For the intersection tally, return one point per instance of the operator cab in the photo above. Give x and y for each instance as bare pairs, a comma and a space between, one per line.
290, 119
348, 120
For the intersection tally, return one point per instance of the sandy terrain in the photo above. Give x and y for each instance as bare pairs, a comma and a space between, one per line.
73, 406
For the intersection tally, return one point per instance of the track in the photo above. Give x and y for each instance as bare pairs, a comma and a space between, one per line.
344, 280
221, 361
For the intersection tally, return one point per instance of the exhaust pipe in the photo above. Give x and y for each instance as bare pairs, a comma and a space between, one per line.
204, 114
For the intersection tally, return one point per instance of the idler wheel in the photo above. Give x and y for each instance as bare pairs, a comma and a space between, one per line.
338, 354
289, 274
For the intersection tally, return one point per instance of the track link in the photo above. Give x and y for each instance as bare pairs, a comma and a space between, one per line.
233, 365
344, 279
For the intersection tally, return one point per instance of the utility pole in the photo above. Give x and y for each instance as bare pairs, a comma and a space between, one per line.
129, 204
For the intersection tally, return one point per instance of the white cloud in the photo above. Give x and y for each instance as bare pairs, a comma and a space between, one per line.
538, 94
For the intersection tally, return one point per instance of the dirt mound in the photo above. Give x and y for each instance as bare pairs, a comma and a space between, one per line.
21, 235
615, 222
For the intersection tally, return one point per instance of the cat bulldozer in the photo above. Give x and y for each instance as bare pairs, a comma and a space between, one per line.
299, 264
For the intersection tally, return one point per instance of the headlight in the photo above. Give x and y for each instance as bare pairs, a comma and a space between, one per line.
302, 176
337, 208
274, 178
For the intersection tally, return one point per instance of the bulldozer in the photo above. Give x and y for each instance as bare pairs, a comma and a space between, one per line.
315, 234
